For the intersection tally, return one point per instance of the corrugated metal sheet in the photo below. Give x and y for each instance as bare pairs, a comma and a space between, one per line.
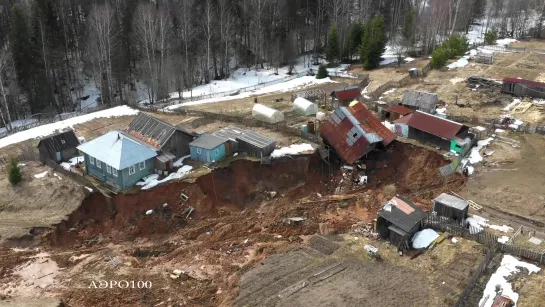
348, 93
250, 142
151, 130
421, 100
452, 201
59, 142
354, 131
399, 110
525, 82
434, 125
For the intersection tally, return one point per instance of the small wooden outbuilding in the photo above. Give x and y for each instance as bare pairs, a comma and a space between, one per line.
58, 147
451, 207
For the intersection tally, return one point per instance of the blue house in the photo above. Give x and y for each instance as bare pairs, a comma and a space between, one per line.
208, 148
118, 159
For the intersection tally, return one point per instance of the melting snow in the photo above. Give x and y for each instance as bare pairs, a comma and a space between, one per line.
152, 180
40, 175
180, 161
389, 91
89, 189
478, 223
475, 156
72, 162
462, 62
509, 266
56, 175
505, 41
50, 128
503, 239
424, 238
294, 149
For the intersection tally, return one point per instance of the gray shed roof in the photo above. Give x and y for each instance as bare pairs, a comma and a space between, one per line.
403, 213
208, 141
235, 134
152, 130
424, 100
452, 201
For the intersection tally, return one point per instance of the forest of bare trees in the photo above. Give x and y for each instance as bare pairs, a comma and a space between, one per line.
52, 49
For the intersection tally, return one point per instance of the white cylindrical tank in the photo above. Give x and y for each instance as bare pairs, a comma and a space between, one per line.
304, 107
266, 114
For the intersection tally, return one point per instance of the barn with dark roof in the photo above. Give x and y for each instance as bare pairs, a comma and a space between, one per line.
58, 147
398, 221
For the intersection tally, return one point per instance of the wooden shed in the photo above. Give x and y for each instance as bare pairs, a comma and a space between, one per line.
398, 221
451, 207
58, 147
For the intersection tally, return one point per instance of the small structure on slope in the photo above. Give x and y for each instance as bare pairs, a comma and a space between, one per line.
304, 107
440, 132
398, 220
354, 131
170, 141
254, 144
208, 148
451, 207
58, 147
420, 101
521, 88
266, 114
484, 58
343, 97
118, 159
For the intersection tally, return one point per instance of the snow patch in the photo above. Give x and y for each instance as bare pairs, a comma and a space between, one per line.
56, 175
180, 161
424, 238
89, 189
294, 149
40, 175
72, 162
475, 156
478, 223
69, 123
462, 62
509, 266
389, 91
503, 239
505, 41
152, 180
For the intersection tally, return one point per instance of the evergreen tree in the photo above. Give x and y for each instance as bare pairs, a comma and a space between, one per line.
14, 172
439, 57
333, 45
353, 41
490, 37
373, 43
322, 72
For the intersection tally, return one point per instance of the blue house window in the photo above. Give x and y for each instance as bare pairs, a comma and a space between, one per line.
217, 152
92, 160
142, 165
131, 170
108, 169
114, 172
99, 165
199, 151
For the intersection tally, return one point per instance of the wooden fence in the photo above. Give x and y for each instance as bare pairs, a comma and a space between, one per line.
405, 81
474, 279
74, 176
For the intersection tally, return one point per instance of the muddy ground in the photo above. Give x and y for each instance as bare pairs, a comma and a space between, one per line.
235, 225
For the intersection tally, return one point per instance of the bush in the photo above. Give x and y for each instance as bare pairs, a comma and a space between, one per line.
389, 190
439, 57
456, 45
491, 37
14, 172
322, 72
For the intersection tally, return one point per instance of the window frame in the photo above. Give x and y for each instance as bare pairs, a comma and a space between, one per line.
98, 164
199, 151
142, 165
114, 171
108, 169
217, 152
133, 167
91, 160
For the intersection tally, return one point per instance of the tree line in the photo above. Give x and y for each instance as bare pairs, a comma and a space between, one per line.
50, 50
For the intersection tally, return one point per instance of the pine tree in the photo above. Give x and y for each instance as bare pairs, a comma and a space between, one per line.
490, 37
14, 172
333, 45
353, 41
373, 43
322, 72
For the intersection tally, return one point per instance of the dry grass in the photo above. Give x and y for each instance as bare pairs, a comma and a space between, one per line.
530, 289
389, 190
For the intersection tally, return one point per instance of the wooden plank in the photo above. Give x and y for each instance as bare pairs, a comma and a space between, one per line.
473, 205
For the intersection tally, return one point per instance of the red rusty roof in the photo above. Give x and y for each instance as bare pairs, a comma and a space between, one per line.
348, 93
525, 82
432, 124
337, 134
399, 110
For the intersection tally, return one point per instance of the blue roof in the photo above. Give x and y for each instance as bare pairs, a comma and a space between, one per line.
118, 150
